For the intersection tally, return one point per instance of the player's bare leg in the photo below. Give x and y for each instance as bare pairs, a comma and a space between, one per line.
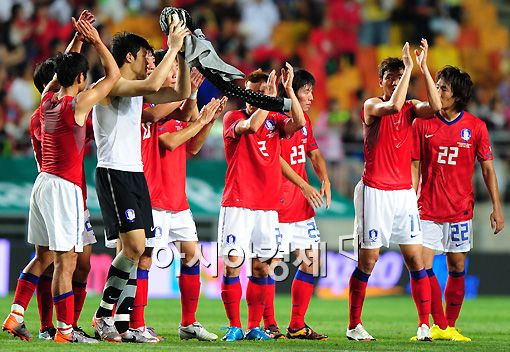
27, 283
367, 258
301, 292
420, 287
189, 286
454, 292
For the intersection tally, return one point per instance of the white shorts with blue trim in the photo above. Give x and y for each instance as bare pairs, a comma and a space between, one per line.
299, 235
449, 237
248, 233
56, 217
384, 217
89, 237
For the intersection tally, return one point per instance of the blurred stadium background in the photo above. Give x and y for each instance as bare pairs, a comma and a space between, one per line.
339, 41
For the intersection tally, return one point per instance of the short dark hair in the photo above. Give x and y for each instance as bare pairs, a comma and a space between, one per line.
159, 55
43, 73
301, 79
461, 84
124, 43
69, 66
257, 76
390, 64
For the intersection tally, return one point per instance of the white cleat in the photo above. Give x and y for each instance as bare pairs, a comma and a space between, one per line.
359, 334
423, 333
196, 331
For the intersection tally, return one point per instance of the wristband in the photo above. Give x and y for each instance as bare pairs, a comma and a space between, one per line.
193, 95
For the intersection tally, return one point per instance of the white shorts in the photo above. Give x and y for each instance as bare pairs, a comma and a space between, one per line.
168, 227
384, 217
449, 237
299, 235
88, 232
56, 217
248, 233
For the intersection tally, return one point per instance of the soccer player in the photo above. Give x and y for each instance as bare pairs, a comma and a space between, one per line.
385, 202
120, 182
43, 74
248, 223
56, 219
444, 153
299, 231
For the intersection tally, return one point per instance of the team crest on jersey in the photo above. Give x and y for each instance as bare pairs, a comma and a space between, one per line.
270, 125
465, 134
304, 130
130, 215
373, 234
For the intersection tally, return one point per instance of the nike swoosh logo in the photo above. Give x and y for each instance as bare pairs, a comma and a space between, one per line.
153, 228
458, 244
110, 297
413, 236
429, 135
130, 308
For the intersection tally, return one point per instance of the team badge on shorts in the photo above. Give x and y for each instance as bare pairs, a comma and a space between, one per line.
372, 235
270, 125
158, 232
465, 134
231, 239
130, 215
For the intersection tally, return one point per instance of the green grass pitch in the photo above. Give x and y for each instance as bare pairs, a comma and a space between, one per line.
392, 320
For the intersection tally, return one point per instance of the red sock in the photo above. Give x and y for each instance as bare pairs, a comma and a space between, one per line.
301, 292
80, 292
64, 307
231, 293
255, 299
420, 289
27, 284
137, 317
436, 306
269, 303
357, 290
45, 302
189, 285
454, 296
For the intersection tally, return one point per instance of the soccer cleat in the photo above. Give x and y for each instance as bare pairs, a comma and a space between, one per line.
233, 334
358, 334
73, 337
423, 334
274, 332
305, 333
79, 330
154, 334
104, 329
136, 336
196, 331
12, 326
256, 334
456, 335
47, 333
440, 334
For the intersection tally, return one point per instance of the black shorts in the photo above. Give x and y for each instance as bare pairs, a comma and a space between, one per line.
125, 202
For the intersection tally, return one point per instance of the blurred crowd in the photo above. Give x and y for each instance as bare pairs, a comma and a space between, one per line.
338, 41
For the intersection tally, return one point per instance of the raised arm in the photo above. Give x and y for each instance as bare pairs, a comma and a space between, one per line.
77, 41
182, 88
297, 115
197, 142
311, 194
376, 107
87, 99
253, 123
497, 219
433, 105
189, 107
173, 140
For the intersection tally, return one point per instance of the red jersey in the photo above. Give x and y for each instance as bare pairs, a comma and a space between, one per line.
254, 176
294, 206
63, 140
35, 135
387, 145
447, 151
173, 169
